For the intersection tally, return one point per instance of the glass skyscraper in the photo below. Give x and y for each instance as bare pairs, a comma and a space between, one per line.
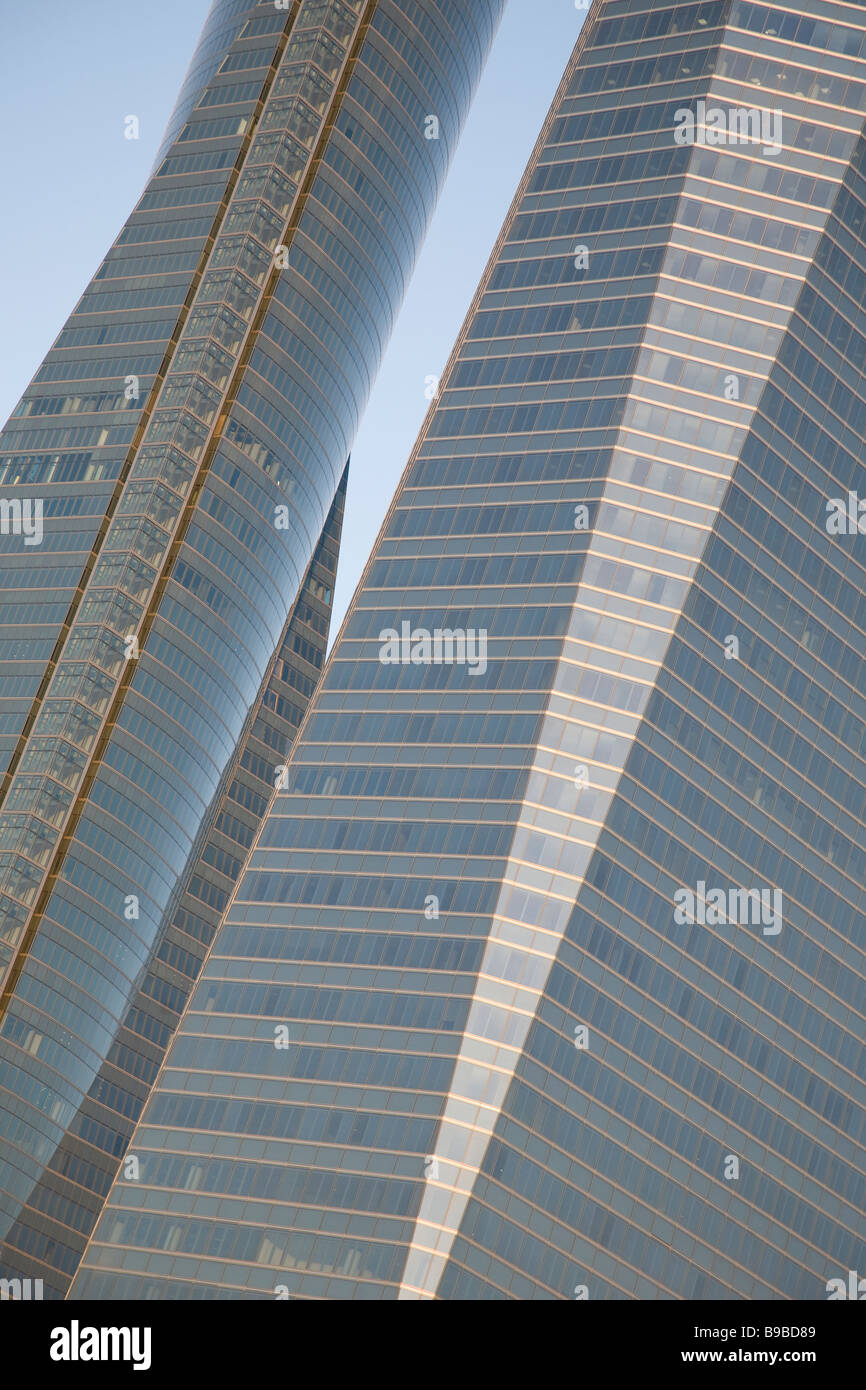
171, 494
545, 978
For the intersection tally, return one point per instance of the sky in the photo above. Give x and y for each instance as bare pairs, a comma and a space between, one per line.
69, 76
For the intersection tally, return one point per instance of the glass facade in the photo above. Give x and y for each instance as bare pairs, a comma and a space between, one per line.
216, 368
458, 1035
52, 1228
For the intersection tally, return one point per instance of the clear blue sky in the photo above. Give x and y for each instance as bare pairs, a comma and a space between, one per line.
71, 72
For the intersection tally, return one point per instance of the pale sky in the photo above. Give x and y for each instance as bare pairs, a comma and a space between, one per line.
71, 73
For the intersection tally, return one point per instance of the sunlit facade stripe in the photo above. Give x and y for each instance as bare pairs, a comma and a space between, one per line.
218, 365
515, 1067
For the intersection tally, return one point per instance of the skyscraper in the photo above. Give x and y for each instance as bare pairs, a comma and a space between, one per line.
545, 978
171, 489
